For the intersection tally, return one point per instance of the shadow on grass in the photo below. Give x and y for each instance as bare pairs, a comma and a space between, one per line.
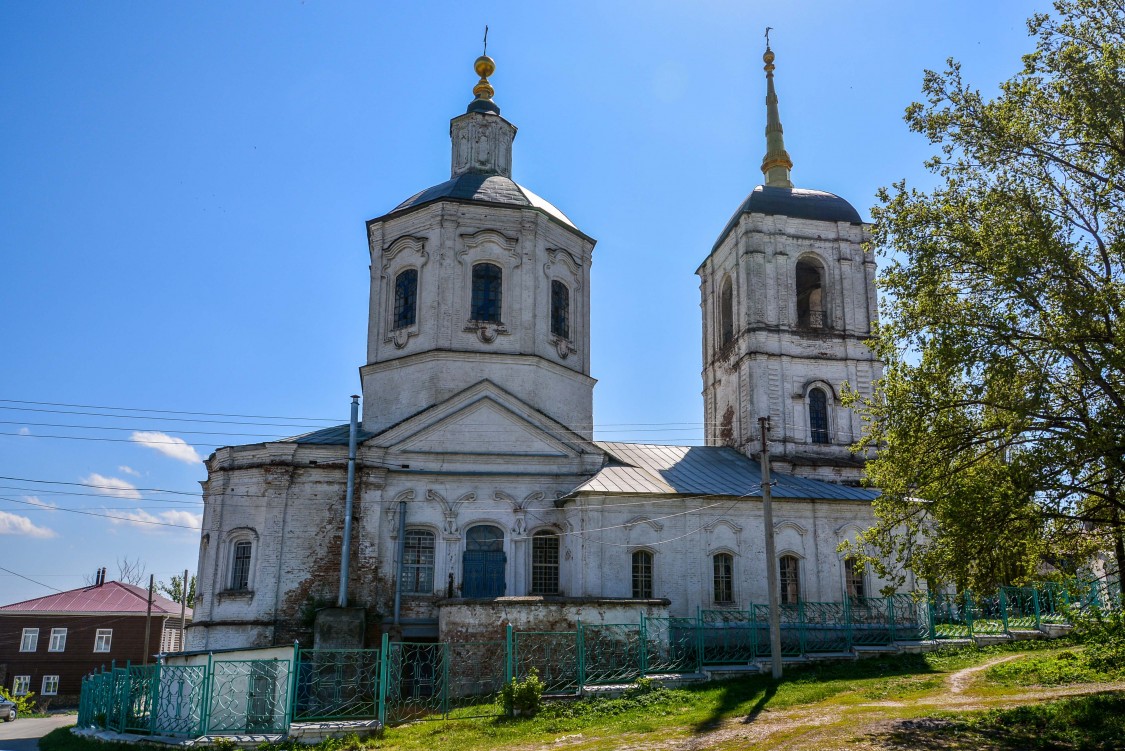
1089, 723
750, 696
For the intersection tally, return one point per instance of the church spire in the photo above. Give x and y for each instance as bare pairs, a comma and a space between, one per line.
482, 140
484, 66
776, 163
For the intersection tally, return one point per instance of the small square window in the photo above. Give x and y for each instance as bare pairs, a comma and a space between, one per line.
30, 640
50, 685
58, 640
103, 639
21, 684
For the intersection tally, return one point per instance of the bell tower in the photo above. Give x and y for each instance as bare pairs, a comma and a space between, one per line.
788, 301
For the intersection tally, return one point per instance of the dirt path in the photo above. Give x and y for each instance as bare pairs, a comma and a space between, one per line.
959, 680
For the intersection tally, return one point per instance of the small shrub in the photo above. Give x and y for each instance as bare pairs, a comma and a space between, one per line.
1103, 633
25, 704
523, 697
641, 686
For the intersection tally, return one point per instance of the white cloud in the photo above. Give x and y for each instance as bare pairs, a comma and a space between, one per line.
25, 431
142, 519
14, 524
113, 486
34, 500
169, 445
128, 471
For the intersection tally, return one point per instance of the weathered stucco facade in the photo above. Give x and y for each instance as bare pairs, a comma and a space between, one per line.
481, 498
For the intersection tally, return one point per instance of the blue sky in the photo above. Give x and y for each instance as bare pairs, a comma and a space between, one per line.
183, 190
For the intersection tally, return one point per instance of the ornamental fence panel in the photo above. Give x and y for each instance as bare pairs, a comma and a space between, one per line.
1022, 607
871, 620
730, 637
950, 616
180, 695
611, 653
826, 626
671, 646
336, 684
249, 696
555, 655
988, 614
139, 687
477, 673
911, 617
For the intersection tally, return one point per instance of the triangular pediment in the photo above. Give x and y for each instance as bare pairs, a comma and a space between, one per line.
483, 420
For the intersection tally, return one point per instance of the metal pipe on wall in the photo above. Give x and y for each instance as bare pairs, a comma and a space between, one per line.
345, 554
401, 553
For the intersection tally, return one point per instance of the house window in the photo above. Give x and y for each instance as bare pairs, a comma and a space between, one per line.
58, 640
545, 563
406, 298
726, 313
854, 583
29, 642
560, 309
487, 292
418, 562
642, 575
810, 295
21, 684
724, 578
240, 566
50, 685
103, 639
790, 579
818, 415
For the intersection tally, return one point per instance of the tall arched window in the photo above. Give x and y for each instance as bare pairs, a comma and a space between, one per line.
488, 285
726, 313
240, 566
642, 575
790, 569
818, 416
723, 565
854, 582
406, 298
810, 295
418, 562
545, 563
560, 309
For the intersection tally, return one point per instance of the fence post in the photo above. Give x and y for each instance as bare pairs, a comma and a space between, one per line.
891, 618
205, 715
930, 615
578, 635
969, 610
509, 657
384, 659
644, 646
444, 679
1035, 599
848, 630
295, 668
1004, 610
801, 627
154, 695
698, 639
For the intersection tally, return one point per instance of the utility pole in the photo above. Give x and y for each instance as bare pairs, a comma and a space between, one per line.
771, 551
148, 614
345, 557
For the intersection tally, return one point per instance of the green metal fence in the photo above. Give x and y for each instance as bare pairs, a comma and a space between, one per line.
408, 681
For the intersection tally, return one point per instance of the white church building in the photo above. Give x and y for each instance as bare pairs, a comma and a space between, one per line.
481, 498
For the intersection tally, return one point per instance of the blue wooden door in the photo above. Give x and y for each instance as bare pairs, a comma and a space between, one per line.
483, 562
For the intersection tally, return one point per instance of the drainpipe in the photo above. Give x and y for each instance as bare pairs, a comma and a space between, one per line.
345, 555
401, 554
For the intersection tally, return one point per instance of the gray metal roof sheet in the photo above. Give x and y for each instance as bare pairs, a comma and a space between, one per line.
484, 188
799, 203
702, 470
334, 436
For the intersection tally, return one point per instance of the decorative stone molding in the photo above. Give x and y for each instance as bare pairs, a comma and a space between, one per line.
391, 511
486, 331
449, 511
779, 526
489, 237
656, 526
403, 253
563, 346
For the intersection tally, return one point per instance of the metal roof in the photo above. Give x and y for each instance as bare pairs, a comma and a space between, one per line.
798, 203
111, 597
334, 436
702, 470
482, 188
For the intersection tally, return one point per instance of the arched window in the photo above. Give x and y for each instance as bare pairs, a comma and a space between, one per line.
545, 563
818, 416
642, 575
726, 313
406, 298
418, 562
488, 285
854, 582
810, 295
560, 309
723, 564
790, 567
240, 566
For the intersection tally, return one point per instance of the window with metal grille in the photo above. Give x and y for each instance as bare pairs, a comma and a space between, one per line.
560, 309
724, 578
853, 579
818, 415
545, 563
642, 575
29, 640
488, 285
418, 562
406, 298
240, 566
726, 313
790, 579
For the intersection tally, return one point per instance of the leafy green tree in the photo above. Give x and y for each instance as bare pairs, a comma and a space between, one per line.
1000, 420
174, 590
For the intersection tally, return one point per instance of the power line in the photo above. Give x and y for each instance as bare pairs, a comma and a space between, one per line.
166, 411
139, 430
104, 516
41, 584
94, 485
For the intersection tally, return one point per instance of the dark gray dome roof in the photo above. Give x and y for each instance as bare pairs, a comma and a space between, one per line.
798, 203
481, 188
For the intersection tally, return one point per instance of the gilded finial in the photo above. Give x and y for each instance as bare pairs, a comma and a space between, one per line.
485, 66
776, 164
